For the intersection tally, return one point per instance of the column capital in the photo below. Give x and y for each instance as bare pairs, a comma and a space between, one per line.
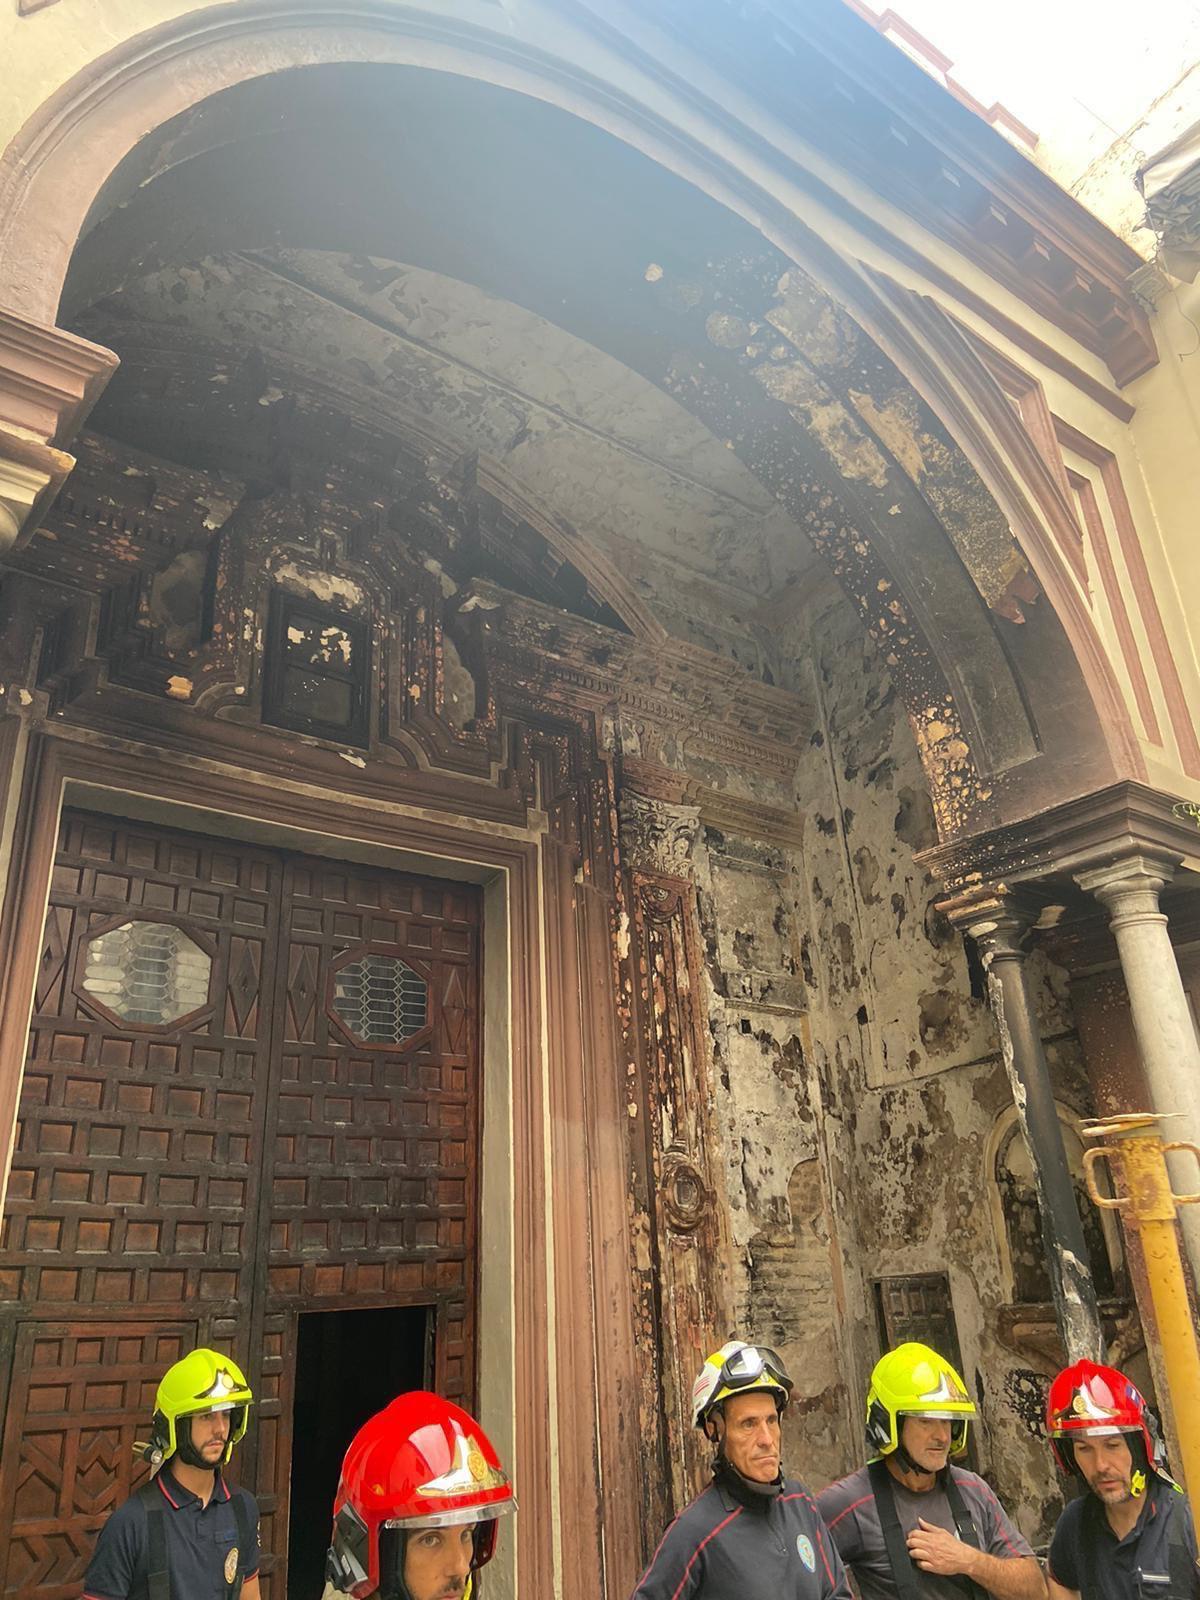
658, 835
1132, 882
995, 916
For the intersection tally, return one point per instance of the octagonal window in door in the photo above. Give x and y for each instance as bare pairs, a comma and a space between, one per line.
379, 999
147, 972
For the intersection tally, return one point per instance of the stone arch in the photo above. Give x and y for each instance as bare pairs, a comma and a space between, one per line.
1010, 695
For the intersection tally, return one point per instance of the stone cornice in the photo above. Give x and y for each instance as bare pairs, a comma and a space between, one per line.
49, 379
1089, 831
848, 92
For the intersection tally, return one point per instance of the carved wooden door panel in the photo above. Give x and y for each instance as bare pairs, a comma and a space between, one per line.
135, 1175
373, 1128
250, 1090
80, 1395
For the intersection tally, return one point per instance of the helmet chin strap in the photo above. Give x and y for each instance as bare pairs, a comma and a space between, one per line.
184, 1448
907, 1464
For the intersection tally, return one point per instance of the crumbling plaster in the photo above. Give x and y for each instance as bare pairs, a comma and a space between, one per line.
859, 1080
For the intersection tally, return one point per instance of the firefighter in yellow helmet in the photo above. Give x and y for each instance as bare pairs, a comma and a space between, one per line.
910, 1525
186, 1534
753, 1534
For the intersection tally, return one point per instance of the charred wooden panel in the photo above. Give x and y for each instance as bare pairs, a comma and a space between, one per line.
688, 1234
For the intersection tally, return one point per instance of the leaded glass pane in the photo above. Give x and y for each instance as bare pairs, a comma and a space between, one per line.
380, 999
147, 972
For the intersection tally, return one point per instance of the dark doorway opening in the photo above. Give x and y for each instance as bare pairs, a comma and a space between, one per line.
349, 1364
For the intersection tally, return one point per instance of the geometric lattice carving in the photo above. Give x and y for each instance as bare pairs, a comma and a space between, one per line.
147, 972
380, 999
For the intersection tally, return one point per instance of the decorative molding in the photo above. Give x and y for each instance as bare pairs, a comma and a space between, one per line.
21, 488
1183, 722
1035, 500
730, 813
657, 836
49, 379
31, 474
687, 1199
1069, 838
853, 95
678, 1118
667, 687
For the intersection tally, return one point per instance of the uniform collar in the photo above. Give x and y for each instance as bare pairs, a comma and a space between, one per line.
177, 1497
736, 1498
1149, 1511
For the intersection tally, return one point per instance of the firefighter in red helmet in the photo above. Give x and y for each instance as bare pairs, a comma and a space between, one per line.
1130, 1537
416, 1507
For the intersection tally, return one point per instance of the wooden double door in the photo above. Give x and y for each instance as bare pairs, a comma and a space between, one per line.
251, 1092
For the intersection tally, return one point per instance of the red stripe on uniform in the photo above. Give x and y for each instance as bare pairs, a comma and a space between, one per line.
832, 1525
733, 1515
800, 1495
166, 1496
1000, 1521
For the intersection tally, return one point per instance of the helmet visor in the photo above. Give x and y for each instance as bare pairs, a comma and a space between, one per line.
749, 1366
450, 1519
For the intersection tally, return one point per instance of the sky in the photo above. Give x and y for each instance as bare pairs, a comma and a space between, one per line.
1081, 75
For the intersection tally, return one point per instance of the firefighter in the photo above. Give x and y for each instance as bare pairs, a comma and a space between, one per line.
1130, 1537
186, 1534
415, 1515
752, 1534
910, 1526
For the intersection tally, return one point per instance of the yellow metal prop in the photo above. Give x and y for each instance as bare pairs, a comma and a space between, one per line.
1137, 1155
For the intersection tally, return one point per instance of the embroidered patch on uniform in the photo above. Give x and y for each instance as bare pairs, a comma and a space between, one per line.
231, 1561
807, 1554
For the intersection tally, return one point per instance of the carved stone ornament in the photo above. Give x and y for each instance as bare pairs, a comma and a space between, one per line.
657, 836
686, 1197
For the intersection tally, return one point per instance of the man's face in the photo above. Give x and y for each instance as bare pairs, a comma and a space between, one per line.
1107, 1466
927, 1440
210, 1435
751, 1434
437, 1562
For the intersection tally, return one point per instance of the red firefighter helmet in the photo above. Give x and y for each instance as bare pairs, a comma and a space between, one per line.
1088, 1400
421, 1462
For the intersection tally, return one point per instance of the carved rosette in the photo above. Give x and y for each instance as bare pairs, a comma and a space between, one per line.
687, 1199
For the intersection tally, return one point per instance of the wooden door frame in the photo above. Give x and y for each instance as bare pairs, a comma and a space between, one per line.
568, 1220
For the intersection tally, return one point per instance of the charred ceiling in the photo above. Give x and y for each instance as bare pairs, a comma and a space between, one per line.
531, 291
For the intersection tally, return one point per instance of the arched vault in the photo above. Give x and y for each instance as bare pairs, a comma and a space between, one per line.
854, 415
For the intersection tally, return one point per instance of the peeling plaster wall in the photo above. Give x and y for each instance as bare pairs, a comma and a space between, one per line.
859, 1080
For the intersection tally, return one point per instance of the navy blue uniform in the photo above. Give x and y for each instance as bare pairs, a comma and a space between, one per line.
203, 1557
723, 1548
1085, 1553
